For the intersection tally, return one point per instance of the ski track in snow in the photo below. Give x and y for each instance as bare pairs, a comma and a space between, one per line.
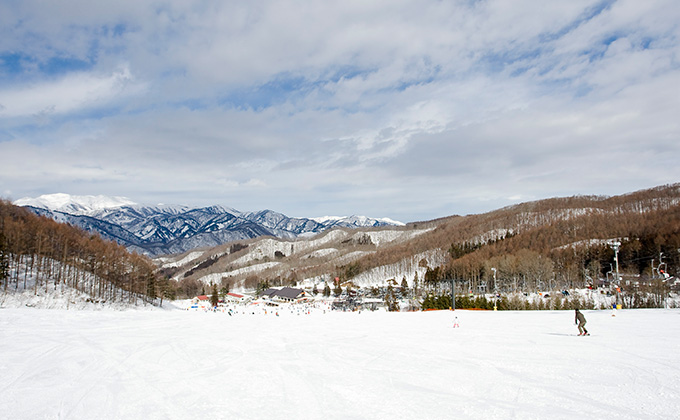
59, 364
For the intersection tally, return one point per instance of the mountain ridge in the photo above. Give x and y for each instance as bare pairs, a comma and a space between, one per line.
158, 230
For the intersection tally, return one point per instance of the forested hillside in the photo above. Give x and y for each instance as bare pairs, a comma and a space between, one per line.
552, 244
37, 252
559, 243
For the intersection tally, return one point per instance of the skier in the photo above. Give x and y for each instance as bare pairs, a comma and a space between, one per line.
581, 321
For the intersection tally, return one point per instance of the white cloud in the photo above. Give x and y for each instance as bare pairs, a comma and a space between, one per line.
71, 93
402, 109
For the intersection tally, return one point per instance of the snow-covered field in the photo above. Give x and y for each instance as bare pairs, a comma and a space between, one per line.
173, 364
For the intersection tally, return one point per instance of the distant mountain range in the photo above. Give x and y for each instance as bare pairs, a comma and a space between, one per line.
158, 230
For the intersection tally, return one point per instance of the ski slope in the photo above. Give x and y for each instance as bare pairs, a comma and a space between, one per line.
173, 364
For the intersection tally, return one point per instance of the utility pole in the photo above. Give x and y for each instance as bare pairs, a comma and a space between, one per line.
495, 290
615, 245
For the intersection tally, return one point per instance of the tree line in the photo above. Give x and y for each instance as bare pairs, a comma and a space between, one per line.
38, 252
573, 253
647, 217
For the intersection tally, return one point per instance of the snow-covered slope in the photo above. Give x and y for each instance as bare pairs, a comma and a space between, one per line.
317, 364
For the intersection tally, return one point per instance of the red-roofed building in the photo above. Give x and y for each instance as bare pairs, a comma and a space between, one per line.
235, 297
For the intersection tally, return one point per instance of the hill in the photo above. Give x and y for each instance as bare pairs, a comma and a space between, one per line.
43, 260
551, 244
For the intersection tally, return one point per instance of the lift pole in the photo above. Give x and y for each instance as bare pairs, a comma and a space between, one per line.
615, 246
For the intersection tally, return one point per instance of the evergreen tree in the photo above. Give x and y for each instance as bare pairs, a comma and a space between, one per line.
261, 287
391, 300
214, 298
444, 302
427, 303
226, 284
338, 289
326, 290
416, 288
4, 259
151, 287
404, 288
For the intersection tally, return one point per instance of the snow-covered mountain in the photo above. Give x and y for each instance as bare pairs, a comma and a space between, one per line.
356, 221
75, 204
157, 230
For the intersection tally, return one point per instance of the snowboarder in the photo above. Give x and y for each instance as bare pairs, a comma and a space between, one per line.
581, 321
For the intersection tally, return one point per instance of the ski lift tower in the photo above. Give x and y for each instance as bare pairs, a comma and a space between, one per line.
453, 290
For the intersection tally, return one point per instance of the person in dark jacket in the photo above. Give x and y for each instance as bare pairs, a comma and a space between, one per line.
581, 321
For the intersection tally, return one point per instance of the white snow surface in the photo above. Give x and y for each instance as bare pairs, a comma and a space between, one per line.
78, 204
386, 236
255, 268
360, 219
311, 363
319, 253
187, 259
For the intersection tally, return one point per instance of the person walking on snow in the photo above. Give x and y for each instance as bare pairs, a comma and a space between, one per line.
581, 321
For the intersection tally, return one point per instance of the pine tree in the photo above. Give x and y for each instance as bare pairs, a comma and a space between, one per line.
215, 298
226, 284
404, 287
391, 300
326, 290
261, 287
416, 288
4, 260
337, 290
151, 287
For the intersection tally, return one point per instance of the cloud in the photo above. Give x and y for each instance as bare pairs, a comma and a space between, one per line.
403, 109
72, 93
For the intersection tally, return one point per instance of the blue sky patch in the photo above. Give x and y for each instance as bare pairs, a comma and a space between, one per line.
18, 64
277, 91
13, 63
62, 65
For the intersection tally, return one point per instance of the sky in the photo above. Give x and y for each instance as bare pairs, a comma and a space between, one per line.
410, 110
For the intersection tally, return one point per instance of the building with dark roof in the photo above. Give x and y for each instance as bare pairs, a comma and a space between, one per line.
286, 294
